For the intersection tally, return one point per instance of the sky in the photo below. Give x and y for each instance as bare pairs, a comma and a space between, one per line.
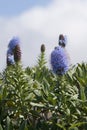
38, 22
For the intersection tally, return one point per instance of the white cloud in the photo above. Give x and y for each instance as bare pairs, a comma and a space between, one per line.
43, 25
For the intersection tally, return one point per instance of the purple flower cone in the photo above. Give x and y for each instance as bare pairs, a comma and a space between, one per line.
14, 52
59, 61
13, 42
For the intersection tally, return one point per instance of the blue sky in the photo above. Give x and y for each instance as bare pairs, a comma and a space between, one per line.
41, 21
15, 7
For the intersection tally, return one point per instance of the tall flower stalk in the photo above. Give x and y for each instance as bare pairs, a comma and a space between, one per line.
41, 59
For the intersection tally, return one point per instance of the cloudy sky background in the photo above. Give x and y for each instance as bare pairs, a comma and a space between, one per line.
39, 22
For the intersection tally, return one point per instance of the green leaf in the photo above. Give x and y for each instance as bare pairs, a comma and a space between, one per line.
37, 104
61, 126
8, 124
23, 126
1, 127
82, 94
77, 125
68, 111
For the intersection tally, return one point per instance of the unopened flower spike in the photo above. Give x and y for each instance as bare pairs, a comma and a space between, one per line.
42, 48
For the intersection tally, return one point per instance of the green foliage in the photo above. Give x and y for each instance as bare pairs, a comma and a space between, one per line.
37, 99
